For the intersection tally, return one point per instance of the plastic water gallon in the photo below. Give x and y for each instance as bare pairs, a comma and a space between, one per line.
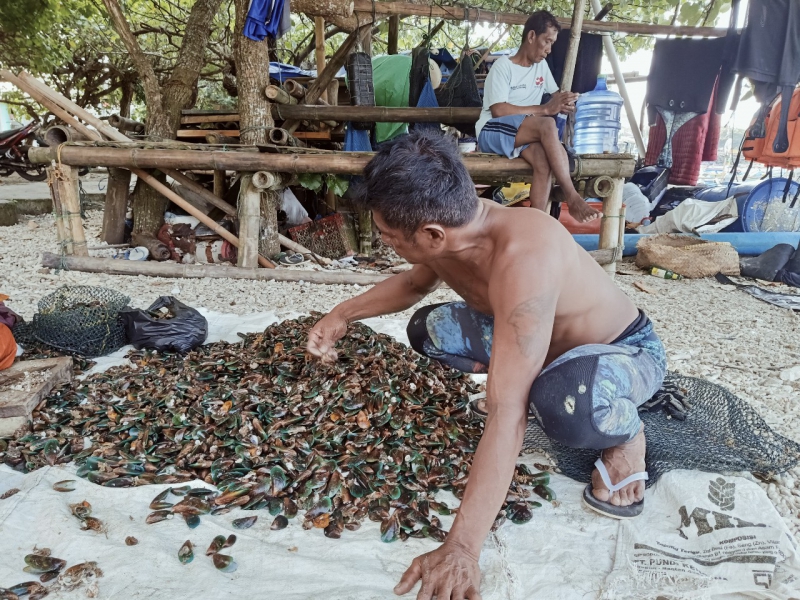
597, 120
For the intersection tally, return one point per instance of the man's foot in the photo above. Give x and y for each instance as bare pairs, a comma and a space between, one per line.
581, 211
621, 462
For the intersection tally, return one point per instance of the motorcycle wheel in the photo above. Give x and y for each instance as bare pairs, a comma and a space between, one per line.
34, 173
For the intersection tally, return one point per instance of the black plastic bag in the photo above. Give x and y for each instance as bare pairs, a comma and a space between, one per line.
185, 330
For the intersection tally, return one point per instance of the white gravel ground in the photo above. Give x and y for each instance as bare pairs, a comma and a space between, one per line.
709, 330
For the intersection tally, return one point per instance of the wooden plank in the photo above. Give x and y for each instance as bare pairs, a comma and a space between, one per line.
319, 48
16, 406
312, 135
479, 15
217, 118
202, 133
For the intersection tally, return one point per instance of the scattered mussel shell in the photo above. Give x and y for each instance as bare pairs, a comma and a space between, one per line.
192, 521
160, 501
8, 493
158, 516
216, 545
390, 529
519, 513
186, 554
38, 564
244, 522
81, 509
280, 522
93, 524
229, 541
131, 541
67, 485
32, 589
225, 563
545, 492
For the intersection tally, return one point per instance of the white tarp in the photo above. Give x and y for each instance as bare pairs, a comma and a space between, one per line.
694, 540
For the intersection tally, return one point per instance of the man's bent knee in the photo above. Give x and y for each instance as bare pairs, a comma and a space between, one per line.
562, 400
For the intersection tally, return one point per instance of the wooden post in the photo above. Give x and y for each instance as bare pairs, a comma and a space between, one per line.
574, 42
366, 41
249, 222
365, 231
219, 183
116, 205
394, 33
319, 48
62, 229
269, 240
64, 188
609, 227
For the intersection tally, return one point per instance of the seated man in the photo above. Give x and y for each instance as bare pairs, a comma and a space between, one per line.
514, 123
559, 339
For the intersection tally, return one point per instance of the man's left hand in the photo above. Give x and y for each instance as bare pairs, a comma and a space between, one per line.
450, 572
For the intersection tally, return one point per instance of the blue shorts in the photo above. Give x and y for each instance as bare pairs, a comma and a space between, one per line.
586, 398
498, 136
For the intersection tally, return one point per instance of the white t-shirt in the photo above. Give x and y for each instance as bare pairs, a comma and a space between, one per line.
520, 86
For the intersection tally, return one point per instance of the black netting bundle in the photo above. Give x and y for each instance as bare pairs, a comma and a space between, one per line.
461, 90
420, 73
360, 83
81, 320
720, 433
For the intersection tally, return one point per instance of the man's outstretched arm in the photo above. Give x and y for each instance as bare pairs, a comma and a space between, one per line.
390, 296
523, 321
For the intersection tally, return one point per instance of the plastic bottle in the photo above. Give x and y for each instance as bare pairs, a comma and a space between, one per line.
597, 120
664, 273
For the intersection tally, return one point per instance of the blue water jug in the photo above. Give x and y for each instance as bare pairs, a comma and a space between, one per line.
597, 120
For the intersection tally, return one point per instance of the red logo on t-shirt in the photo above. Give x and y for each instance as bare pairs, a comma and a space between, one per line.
539, 80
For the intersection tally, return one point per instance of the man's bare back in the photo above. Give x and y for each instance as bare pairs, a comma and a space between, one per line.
590, 308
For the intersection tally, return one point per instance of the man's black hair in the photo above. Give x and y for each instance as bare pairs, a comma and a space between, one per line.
419, 178
539, 22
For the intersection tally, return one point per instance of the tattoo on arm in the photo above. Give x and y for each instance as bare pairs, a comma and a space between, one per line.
525, 321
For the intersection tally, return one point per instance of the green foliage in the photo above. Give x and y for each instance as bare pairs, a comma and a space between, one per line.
311, 181
314, 182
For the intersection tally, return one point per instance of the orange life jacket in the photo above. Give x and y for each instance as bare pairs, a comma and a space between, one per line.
760, 149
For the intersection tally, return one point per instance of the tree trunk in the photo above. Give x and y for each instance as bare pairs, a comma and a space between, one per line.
255, 116
164, 104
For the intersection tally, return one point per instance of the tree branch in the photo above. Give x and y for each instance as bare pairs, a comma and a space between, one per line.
152, 90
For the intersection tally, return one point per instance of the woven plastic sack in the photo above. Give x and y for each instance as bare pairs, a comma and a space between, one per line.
721, 434
81, 320
687, 255
360, 84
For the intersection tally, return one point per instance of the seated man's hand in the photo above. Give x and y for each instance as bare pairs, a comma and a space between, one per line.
561, 102
448, 573
324, 335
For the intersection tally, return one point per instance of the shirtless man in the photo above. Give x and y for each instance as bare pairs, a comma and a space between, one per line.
515, 123
558, 339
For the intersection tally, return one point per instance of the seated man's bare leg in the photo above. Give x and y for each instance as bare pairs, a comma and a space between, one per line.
543, 130
622, 461
536, 157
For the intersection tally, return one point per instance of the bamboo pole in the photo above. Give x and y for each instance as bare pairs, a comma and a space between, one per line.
279, 95
295, 88
394, 34
249, 222
619, 79
479, 15
62, 230
54, 97
319, 48
200, 119
158, 250
369, 114
574, 42
609, 227
125, 124
111, 266
480, 166
59, 134
219, 139
219, 184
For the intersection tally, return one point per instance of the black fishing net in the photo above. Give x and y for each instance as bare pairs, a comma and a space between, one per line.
420, 73
719, 432
81, 320
360, 83
461, 90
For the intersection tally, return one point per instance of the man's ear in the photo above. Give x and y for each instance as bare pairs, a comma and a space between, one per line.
531, 37
433, 234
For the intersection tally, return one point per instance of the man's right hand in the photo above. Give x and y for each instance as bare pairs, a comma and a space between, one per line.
324, 335
561, 102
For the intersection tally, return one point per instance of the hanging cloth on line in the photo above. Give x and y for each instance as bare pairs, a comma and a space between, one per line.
267, 18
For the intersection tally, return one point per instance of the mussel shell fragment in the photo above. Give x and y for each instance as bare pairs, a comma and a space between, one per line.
43, 564
186, 554
280, 522
225, 563
244, 522
67, 485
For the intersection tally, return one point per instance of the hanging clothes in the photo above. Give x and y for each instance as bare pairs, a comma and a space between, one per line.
390, 78
427, 99
265, 19
693, 142
769, 55
587, 65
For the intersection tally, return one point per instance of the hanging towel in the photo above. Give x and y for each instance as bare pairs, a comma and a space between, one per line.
263, 19
427, 99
